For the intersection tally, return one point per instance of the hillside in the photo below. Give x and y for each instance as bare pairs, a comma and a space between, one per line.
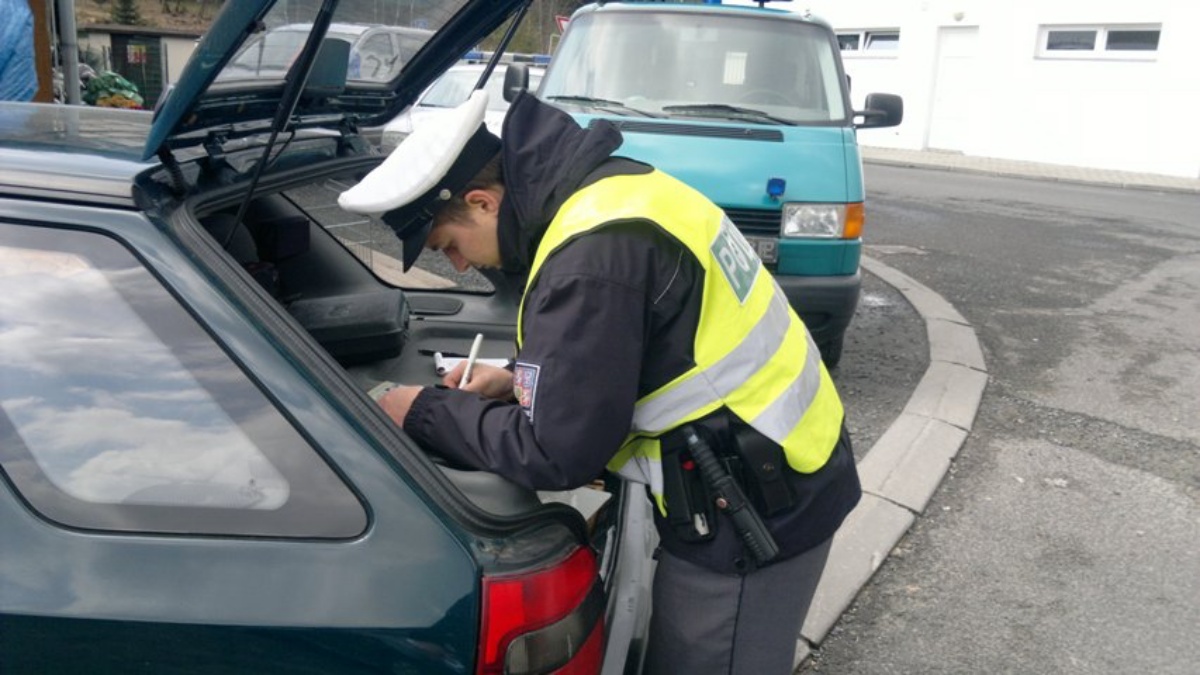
182, 14
536, 34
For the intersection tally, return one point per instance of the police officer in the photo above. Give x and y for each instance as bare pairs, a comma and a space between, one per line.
646, 322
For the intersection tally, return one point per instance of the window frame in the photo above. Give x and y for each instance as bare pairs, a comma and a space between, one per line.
864, 38
1100, 49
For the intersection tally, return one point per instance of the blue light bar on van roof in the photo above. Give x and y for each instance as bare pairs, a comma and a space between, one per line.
776, 187
476, 55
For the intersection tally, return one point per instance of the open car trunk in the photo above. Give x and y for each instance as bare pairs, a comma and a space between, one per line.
338, 276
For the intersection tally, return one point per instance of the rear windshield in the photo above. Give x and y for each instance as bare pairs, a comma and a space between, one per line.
382, 38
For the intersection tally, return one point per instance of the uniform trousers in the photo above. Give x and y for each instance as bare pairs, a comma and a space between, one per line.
704, 622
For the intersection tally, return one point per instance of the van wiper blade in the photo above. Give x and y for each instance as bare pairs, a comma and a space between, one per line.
723, 110
602, 104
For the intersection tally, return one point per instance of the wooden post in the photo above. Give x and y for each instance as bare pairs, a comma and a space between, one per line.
43, 55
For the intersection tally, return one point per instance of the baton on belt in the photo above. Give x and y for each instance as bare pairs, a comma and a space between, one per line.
730, 499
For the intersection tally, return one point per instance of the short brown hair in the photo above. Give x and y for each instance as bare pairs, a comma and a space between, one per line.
490, 176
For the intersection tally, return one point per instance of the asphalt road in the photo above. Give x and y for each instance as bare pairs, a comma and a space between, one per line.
885, 355
1066, 537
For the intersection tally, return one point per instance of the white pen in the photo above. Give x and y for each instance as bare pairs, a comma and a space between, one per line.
471, 358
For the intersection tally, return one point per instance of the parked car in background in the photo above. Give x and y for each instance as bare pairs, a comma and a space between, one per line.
750, 106
377, 52
451, 90
193, 475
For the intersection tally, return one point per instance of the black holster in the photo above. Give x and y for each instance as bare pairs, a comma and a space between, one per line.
691, 513
755, 462
763, 471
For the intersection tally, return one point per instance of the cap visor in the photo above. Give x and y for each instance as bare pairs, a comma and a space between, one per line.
414, 242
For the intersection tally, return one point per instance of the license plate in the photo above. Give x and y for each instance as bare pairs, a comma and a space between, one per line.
767, 248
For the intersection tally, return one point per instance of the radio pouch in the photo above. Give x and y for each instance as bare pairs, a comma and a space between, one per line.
691, 514
764, 467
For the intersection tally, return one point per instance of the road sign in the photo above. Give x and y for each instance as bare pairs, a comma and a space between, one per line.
562, 22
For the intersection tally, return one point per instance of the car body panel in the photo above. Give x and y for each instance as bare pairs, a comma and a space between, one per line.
809, 159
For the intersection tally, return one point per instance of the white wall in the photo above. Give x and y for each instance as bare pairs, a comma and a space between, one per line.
177, 51
1133, 115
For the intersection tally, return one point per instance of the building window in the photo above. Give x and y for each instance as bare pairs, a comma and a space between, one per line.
1132, 40
1098, 42
869, 42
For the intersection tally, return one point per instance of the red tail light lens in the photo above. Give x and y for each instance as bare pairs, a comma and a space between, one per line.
546, 621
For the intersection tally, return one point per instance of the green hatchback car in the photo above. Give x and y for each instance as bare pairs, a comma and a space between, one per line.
193, 476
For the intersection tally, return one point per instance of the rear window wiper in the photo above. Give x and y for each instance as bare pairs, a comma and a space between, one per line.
723, 110
602, 104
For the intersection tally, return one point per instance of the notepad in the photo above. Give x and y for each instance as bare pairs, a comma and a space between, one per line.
445, 364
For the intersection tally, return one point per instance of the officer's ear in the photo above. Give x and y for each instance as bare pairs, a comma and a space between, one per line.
485, 199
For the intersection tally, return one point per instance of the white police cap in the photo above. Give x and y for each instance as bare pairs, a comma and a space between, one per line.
430, 166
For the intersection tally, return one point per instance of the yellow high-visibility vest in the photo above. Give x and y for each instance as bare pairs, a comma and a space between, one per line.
752, 352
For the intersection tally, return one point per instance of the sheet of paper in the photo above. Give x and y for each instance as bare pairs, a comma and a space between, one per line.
445, 364
586, 500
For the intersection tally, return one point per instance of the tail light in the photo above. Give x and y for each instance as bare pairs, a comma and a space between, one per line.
545, 621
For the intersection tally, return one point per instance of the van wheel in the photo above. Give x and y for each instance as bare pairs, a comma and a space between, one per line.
831, 351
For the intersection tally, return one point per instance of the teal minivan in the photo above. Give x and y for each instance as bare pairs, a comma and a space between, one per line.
750, 106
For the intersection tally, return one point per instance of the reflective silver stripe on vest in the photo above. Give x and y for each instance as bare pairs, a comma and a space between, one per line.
778, 419
713, 384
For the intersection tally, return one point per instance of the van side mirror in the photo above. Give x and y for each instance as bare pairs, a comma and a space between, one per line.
882, 110
516, 80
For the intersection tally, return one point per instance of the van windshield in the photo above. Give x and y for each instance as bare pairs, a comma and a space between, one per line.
764, 69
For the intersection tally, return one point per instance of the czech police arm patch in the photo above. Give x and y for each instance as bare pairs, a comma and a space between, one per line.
525, 381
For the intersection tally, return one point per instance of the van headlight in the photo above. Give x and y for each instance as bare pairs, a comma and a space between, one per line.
813, 220
822, 221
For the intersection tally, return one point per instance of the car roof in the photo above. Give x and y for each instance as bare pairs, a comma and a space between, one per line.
350, 28
703, 8
91, 152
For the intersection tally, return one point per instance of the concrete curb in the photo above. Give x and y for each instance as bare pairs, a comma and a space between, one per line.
903, 469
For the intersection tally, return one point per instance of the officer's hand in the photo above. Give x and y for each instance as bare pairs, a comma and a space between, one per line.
397, 401
487, 381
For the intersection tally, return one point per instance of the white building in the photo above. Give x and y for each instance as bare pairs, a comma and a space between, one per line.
1096, 83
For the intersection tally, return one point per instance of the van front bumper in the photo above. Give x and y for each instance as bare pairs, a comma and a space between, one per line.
826, 304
